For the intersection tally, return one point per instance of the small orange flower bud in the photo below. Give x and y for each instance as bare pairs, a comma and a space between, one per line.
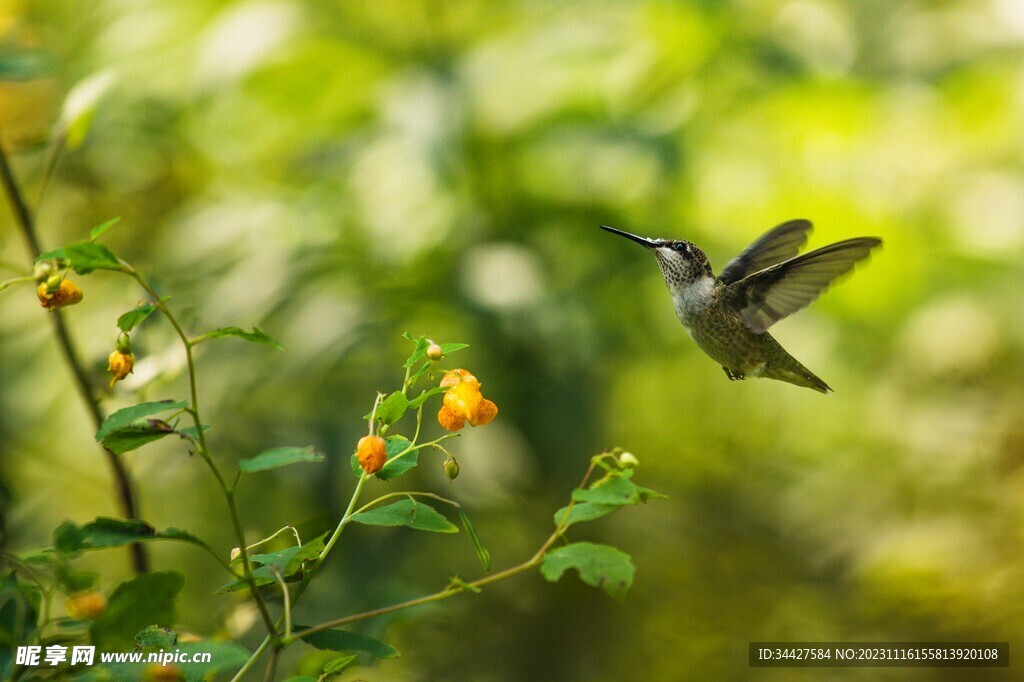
120, 365
63, 294
86, 605
371, 453
434, 352
449, 420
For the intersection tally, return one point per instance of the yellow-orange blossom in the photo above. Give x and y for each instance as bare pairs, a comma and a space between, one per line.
463, 402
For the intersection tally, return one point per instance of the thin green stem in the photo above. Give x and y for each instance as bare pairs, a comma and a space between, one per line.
204, 451
16, 280
455, 589
285, 595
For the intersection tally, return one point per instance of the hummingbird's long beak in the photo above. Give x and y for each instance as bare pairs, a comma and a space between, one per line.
649, 243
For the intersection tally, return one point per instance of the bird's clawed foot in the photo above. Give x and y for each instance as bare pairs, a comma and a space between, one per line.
734, 375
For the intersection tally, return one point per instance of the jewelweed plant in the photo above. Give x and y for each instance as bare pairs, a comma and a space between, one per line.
139, 614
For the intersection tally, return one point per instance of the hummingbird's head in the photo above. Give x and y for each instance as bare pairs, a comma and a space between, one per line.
680, 261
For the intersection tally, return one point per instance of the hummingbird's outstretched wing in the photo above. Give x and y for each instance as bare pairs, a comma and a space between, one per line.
774, 246
766, 297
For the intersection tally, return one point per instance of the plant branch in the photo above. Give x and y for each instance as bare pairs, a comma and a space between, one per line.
123, 485
204, 451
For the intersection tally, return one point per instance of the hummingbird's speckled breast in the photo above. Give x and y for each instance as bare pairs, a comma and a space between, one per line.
719, 330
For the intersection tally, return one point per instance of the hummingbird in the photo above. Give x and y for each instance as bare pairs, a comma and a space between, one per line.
728, 316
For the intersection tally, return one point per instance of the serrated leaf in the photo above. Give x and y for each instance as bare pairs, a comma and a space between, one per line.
616, 491
145, 600
410, 513
583, 511
133, 318
140, 432
598, 565
257, 335
481, 552
345, 642
279, 457
84, 257
127, 415
95, 232
156, 636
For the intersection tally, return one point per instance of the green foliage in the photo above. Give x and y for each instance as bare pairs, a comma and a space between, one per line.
125, 417
136, 434
279, 457
155, 636
392, 408
257, 335
96, 232
134, 317
598, 565
85, 257
104, 533
19, 609
147, 599
286, 563
409, 513
481, 552
344, 641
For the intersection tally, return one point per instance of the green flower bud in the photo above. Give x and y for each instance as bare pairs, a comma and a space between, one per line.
627, 460
43, 271
123, 344
451, 469
434, 352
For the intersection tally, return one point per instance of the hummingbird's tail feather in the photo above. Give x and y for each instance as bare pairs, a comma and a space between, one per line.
794, 373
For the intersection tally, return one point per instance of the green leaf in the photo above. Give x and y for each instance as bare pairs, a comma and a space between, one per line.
338, 664
279, 457
19, 609
126, 416
145, 600
393, 408
481, 552
192, 432
156, 637
257, 335
84, 257
393, 446
95, 232
583, 511
422, 397
617, 491
106, 532
409, 513
598, 565
345, 641
447, 348
287, 562
419, 352
133, 318
137, 434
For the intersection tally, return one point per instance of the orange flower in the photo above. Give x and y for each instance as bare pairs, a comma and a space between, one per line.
120, 365
86, 605
53, 295
371, 453
463, 402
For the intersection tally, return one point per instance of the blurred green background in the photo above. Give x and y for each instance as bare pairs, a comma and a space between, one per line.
339, 173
